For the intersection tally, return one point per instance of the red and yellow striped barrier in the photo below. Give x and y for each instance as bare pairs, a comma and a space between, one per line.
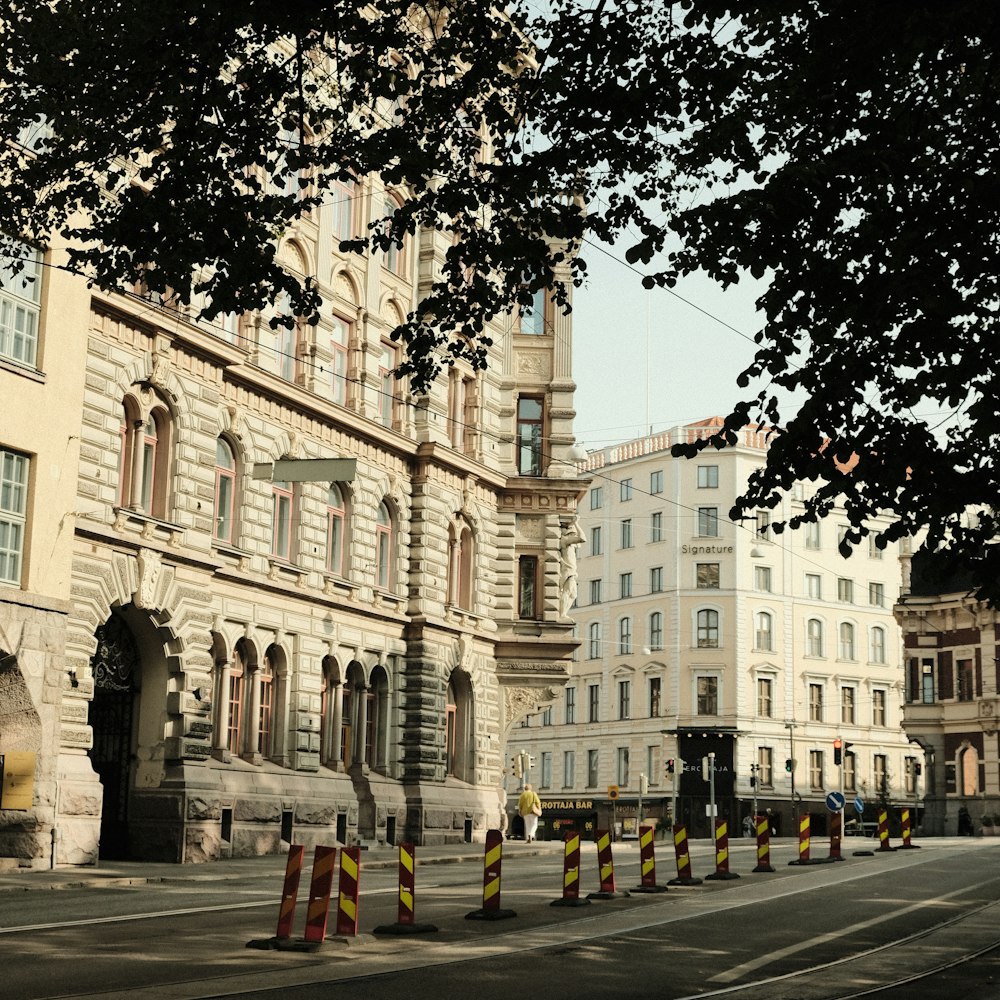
722, 871
492, 864
290, 891
762, 825
571, 872
347, 897
647, 862
320, 888
683, 856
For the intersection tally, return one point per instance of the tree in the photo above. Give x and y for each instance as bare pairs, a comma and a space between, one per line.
845, 152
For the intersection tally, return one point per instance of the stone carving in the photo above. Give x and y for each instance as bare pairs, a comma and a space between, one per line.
569, 541
150, 565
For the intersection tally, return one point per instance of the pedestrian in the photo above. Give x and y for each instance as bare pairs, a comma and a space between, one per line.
964, 822
748, 827
529, 808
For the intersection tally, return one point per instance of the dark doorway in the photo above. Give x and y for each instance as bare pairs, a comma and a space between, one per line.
112, 716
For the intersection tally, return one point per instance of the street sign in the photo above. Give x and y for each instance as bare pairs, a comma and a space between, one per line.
859, 804
612, 792
835, 802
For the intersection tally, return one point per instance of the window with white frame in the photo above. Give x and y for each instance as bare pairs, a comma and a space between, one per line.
845, 591
569, 768
848, 698
340, 338
656, 632
225, 490
814, 586
765, 766
874, 552
814, 637
765, 697
595, 541
625, 490
708, 522
595, 591
708, 695
812, 535
593, 703
388, 402
876, 595
394, 258
707, 629
654, 697
282, 504
20, 298
14, 470
656, 580
533, 320
336, 522
816, 770
708, 477
878, 706
878, 644
145, 458
596, 497
763, 525
656, 481
656, 526
624, 584
764, 631
383, 546
653, 763
626, 533
622, 768
850, 771
343, 196
847, 648
594, 641
625, 637
593, 767
762, 579
880, 773
570, 706
624, 700
815, 702
546, 781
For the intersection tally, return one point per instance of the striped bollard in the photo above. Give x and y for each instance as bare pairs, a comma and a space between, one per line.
836, 828
320, 888
347, 897
904, 819
803, 858
606, 868
647, 863
683, 858
406, 910
290, 891
492, 860
722, 872
763, 828
883, 831
571, 873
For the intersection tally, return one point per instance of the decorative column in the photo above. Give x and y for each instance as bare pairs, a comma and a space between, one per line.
361, 729
220, 739
334, 757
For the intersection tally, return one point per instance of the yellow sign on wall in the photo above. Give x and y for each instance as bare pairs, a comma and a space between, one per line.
17, 790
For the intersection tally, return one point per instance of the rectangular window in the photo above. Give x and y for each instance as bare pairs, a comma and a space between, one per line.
594, 645
847, 700
624, 700
281, 513
966, 682
876, 595
625, 637
569, 768
656, 632
527, 587
850, 772
816, 770
763, 525
845, 591
626, 531
653, 763
622, 769
812, 535
339, 341
765, 694
656, 580
814, 586
532, 316
708, 477
624, 584
592, 768
927, 681
815, 702
762, 579
530, 419
595, 541
656, 527
654, 697
656, 481
910, 774
570, 706
874, 552
546, 781
765, 766
880, 773
593, 703
625, 489
708, 522
878, 706
13, 514
595, 591
20, 296
708, 695
708, 576
596, 497
547, 715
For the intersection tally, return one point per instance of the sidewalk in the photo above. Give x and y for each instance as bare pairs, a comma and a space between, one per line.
116, 873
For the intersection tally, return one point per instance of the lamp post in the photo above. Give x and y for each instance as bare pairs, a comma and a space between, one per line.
790, 726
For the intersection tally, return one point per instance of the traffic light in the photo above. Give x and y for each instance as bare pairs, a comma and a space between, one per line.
670, 766
530, 760
838, 746
788, 764
516, 766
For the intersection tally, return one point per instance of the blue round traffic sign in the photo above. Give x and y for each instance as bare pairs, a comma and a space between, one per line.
859, 804
835, 802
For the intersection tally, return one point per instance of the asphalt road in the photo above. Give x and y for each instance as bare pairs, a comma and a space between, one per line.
824, 931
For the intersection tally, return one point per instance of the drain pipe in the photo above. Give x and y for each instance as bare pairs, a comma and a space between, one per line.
55, 841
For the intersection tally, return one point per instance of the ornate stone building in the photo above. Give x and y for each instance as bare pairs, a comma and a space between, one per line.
247, 655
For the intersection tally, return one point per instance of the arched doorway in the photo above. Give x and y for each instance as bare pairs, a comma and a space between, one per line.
113, 721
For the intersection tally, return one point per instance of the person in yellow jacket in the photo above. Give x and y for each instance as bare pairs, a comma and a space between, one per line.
529, 808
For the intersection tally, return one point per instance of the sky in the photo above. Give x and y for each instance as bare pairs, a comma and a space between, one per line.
693, 360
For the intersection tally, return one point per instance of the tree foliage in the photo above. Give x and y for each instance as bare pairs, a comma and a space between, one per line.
845, 152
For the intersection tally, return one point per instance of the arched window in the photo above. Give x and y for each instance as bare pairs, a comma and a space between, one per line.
459, 715
383, 547
237, 687
656, 632
814, 637
336, 529
378, 719
878, 644
225, 490
969, 770
282, 509
395, 257
340, 339
763, 635
846, 650
145, 461
331, 714
388, 402
461, 566
594, 641
708, 629
625, 637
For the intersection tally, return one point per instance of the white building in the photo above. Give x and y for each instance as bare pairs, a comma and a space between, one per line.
701, 635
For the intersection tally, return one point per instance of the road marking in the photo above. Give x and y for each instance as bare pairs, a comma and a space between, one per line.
737, 971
